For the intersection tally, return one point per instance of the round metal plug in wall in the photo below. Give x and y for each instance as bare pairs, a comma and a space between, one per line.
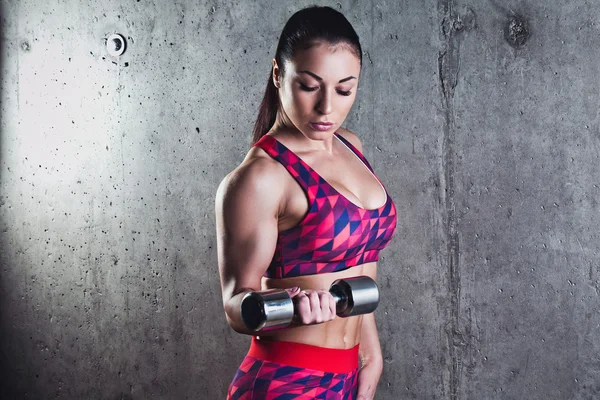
115, 44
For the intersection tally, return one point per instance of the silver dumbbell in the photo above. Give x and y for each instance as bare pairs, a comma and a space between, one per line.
274, 309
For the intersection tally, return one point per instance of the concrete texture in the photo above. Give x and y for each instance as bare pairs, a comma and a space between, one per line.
481, 117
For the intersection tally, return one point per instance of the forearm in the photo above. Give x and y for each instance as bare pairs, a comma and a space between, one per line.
370, 347
371, 359
233, 313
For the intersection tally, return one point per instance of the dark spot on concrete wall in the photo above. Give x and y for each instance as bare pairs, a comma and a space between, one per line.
25, 46
458, 25
517, 31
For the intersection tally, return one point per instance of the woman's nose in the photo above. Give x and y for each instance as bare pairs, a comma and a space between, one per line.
324, 106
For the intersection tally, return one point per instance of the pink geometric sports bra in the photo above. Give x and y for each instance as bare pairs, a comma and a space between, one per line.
335, 234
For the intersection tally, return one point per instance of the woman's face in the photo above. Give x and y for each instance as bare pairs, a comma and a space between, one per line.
318, 88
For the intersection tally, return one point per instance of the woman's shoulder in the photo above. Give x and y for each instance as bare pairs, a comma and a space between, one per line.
253, 178
351, 137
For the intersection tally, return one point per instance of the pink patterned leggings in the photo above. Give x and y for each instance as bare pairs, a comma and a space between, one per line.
287, 370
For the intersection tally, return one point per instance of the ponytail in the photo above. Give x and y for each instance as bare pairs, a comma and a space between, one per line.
267, 111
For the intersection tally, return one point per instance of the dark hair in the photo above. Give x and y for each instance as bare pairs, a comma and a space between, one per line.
302, 31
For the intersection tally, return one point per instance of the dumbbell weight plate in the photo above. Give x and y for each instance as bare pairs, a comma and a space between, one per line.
269, 309
363, 295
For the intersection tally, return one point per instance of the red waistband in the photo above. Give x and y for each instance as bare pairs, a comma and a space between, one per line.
302, 355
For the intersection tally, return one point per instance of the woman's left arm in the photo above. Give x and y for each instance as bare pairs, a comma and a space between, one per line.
370, 349
371, 358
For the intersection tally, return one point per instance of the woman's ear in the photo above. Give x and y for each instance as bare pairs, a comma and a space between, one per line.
276, 74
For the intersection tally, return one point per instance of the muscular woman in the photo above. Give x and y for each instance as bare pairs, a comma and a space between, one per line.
302, 210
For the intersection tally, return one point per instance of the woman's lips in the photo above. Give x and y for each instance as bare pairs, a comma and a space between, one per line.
321, 126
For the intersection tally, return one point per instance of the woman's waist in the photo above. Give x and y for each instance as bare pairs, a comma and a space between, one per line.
339, 333
302, 355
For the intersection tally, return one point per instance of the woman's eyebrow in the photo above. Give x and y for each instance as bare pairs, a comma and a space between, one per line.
317, 77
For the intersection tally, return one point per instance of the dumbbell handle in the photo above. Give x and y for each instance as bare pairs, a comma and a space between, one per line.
274, 308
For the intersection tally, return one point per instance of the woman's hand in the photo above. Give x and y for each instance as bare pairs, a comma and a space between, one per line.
368, 377
312, 306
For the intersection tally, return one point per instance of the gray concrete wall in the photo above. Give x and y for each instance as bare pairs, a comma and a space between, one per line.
481, 117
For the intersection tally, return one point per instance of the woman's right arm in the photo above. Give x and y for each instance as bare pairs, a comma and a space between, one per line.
247, 209
249, 202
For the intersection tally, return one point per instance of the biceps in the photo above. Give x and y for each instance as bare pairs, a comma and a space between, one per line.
246, 253
246, 240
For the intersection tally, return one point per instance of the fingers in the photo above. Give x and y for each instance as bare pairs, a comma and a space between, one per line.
293, 292
314, 306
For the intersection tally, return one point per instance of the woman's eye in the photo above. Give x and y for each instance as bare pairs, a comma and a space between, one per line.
308, 89
313, 88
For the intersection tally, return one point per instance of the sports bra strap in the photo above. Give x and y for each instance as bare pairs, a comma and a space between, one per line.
306, 177
355, 151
